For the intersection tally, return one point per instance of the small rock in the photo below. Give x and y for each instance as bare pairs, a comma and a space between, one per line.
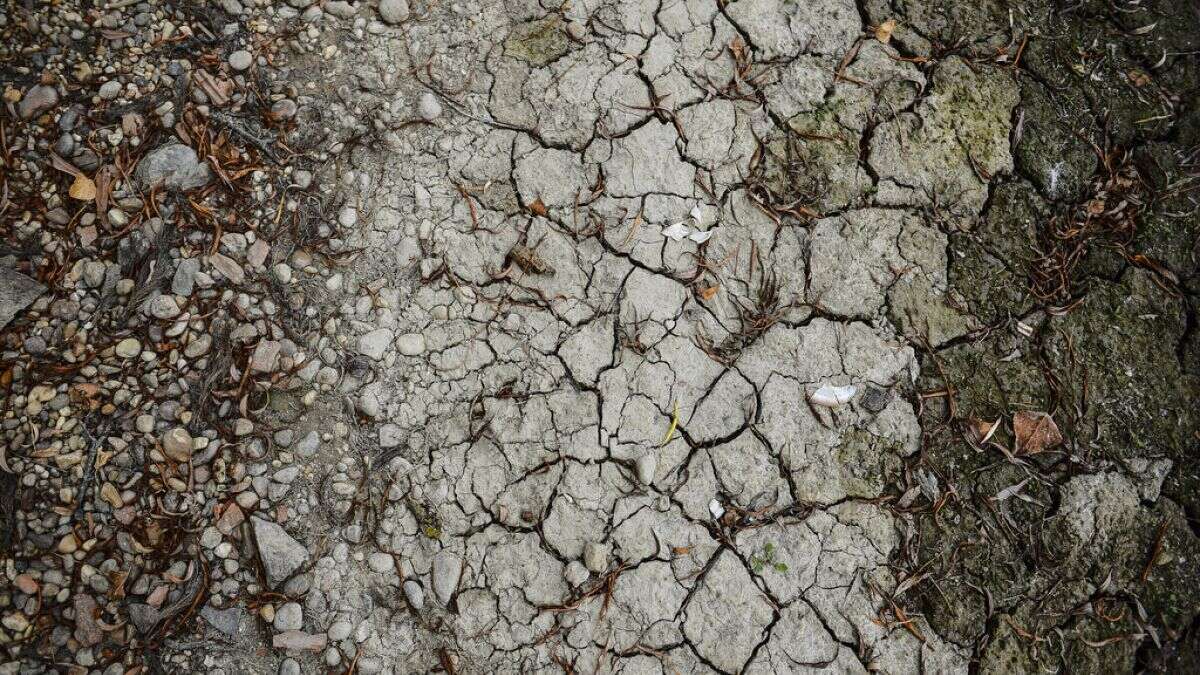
647, 464
375, 343
289, 617
289, 667
177, 444
110, 90
163, 307
17, 292
299, 641
393, 11
128, 348
37, 100
415, 594
241, 59
411, 344
283, 109
228, 621
381, 562
184, 280
447, 568
266, 356
390, 436
281, 555
176, 166
340, 630
429, 107
595, 557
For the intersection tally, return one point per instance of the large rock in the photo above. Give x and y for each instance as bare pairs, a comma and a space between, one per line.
175, 166
17, 292
280, 554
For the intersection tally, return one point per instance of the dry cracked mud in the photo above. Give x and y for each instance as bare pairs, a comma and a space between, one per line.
756, 336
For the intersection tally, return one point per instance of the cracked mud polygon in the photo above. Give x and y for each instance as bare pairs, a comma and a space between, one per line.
668, 336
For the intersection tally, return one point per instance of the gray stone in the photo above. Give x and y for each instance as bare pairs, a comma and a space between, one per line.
290, 616
375, 343
281, 555
429, 107
228, 621
393, 11
447, 568
411, 344
265, 358
17, 292
390, 436
289, 667
595, 557
241, 59
163, 307
175, 166
37, 100
110, 90
415, 594
177, 445
184, 280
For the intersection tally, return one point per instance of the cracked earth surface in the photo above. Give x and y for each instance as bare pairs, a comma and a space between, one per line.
638, 358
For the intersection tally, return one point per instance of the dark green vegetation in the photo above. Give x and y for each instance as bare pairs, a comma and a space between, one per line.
1075, 556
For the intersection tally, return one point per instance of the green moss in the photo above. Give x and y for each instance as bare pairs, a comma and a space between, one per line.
538, 43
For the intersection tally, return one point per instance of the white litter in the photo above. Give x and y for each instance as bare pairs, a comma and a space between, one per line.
676, 231
831, 397
715, 508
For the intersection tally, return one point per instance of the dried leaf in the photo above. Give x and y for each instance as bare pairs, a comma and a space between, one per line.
538, 208
63, 165
884, 32
1035, 432
83, 189
709, 293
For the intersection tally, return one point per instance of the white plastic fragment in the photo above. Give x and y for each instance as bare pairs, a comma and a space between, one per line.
700, 237
676, 231
715, 508
832, 397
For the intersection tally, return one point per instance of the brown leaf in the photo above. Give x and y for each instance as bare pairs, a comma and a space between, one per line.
884, 32
538, 208
63, 165
83, 189
1035, 432
709, 293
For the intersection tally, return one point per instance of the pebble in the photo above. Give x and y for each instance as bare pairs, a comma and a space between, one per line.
375, 343
393, 11
415, 594
176, 166
128, 348
340, 630
281, 555
289, 667
163, 307
381, 562
447, 568
177, 444
289, 617
647, 464
429, 107
37, 100
411, 344
240, 60
595, 557
110, 90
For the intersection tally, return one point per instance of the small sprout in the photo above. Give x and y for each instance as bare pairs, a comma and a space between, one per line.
760, 562
433, 532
